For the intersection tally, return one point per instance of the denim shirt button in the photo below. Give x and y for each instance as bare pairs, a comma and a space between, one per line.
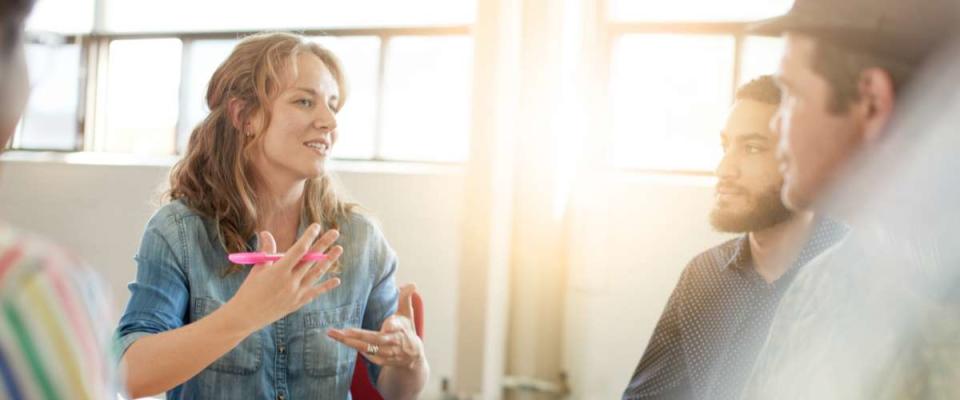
282, 349
280, 396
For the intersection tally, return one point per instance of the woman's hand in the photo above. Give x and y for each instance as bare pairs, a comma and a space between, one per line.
396, 344
274, 289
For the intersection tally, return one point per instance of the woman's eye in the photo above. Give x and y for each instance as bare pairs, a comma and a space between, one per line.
305, 103
754, 149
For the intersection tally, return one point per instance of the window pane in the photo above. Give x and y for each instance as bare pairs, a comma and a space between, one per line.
356, 123
219, 15
50, 120
426, 107
761, 56
695, 10
62, 16
14, 142
142, 96
204, 56
669, 95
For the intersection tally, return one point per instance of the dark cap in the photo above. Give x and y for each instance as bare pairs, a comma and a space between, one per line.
907, 30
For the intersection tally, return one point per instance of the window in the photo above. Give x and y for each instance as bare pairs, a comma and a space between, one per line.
172, 16
670, 94
357, 122
143, 85
424, 94
426, 98
673, 70
761, 55
50, 119
695, 10
202, 58
139, 85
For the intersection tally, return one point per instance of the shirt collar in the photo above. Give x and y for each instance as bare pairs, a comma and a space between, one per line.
826, 233
740, 258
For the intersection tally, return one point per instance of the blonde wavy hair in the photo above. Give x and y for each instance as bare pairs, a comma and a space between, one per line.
215, 177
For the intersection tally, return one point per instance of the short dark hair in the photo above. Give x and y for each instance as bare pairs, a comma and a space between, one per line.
763, 89
13, 13
841, 66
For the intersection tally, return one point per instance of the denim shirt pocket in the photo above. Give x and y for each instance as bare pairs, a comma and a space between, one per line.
323, 356
246, 358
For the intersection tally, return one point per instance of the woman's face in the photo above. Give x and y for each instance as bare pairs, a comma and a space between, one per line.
303, 123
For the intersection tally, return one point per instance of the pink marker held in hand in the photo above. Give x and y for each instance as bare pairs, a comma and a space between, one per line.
261, 257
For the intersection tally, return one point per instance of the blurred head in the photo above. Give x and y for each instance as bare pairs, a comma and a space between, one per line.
836, 101
14, 84
273, 105
748, 181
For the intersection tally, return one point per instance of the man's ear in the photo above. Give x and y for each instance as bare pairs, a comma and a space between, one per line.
877, 102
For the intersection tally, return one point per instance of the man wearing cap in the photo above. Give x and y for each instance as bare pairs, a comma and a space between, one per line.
839, 331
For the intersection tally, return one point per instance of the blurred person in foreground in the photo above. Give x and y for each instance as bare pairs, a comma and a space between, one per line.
856, 323
54, 313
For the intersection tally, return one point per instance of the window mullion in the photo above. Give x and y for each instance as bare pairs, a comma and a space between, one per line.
737, 62
181, 127
378, 107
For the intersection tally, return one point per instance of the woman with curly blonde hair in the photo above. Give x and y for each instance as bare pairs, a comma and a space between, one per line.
200, 327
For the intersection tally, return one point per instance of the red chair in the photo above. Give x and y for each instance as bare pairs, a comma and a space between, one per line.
361, 388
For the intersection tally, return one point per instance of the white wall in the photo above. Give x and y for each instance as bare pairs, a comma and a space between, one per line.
641, 234
99, 211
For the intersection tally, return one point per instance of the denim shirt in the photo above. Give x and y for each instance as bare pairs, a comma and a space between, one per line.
181, 278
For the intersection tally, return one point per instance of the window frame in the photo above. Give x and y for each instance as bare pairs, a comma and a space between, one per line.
94, 59
35, 38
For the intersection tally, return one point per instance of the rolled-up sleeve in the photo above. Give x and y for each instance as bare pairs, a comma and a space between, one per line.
159, 295
382, 302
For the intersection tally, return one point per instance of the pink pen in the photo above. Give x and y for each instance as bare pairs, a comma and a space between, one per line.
260, 257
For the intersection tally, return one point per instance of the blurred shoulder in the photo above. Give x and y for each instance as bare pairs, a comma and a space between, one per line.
26, 257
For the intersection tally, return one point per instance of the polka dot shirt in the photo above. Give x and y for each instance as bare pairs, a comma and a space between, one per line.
715, 321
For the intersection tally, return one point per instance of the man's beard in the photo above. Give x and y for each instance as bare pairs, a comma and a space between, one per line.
767, 210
